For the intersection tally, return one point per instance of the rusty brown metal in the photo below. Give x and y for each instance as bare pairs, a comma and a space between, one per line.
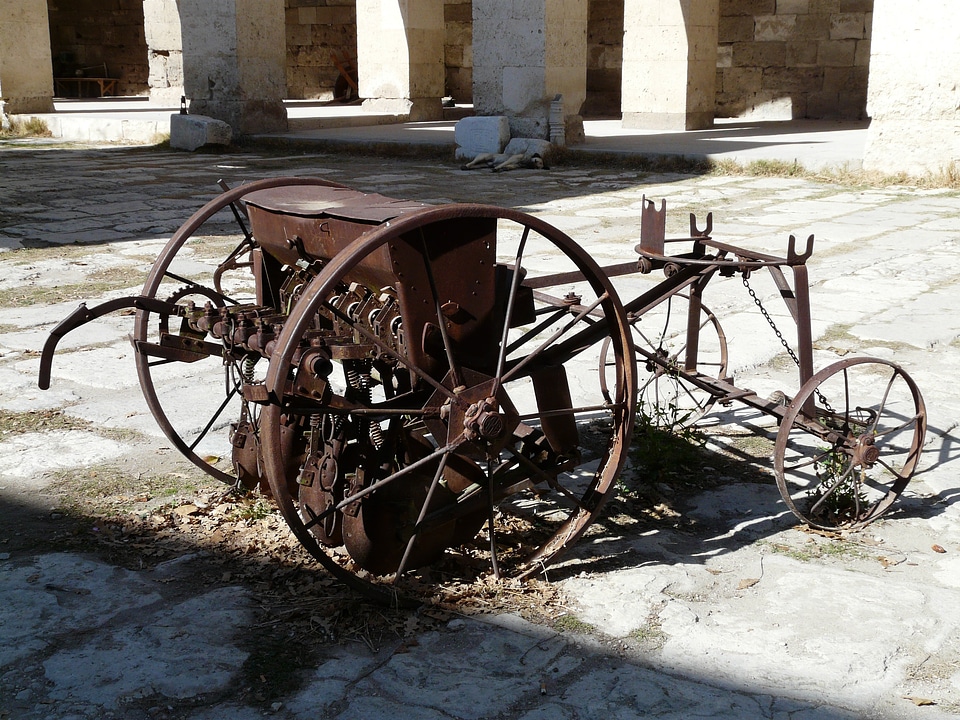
466, 410
395, 372
866, 449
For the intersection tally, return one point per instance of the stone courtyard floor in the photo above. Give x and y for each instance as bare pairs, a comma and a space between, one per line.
131, 587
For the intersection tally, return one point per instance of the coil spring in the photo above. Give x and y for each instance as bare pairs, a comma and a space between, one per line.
360, 382
246, 371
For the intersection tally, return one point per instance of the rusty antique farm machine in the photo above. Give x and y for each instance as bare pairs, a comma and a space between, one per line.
402, 376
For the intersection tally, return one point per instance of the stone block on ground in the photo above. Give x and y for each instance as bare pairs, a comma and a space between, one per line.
481, 134
190, 132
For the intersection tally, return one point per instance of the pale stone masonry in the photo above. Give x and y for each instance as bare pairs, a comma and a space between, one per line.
401, 62
524, 55
316, 30
604, 58
26, 72
914, 95
786, 59
669, 64
161, 23
99, 39
458, 49
233, 62
657, 64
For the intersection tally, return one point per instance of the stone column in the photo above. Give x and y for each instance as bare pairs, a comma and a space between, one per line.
26, 68
400, 57
524, 55
234, 56
669, 64
913, 98
161, 27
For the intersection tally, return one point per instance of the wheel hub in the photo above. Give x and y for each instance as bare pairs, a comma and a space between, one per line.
479, 411
482, 421
866, 452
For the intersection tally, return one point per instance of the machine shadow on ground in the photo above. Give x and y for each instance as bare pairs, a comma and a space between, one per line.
303, 620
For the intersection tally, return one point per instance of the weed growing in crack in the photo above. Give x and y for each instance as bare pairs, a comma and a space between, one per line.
838, 495
573, 624
666, 447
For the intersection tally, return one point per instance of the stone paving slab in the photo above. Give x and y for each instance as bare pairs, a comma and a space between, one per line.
748, 618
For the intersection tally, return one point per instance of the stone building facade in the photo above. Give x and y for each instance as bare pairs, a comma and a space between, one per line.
667, 64
785, 59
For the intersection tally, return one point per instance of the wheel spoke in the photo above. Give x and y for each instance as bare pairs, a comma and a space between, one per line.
815, 460
551, 340
492, 525
666, 322
393, 477
883, 401
689, 393
831, 489
551, 480
559, 412
846, 400
452, 362
533, 332
423, 511
910, 422
216, 415
338, 405
511, 299
890, 469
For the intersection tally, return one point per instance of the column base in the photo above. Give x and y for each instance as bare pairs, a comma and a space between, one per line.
667, 121
167, 96
246, 118
416, 109
27, 105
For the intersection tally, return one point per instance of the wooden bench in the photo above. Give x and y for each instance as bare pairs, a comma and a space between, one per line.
104, 86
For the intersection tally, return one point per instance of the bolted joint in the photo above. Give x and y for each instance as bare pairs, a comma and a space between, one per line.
867, 453
482, 420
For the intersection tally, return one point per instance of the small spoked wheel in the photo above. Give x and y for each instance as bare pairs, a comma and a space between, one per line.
436, 394
671, 345
849, 443
190, 380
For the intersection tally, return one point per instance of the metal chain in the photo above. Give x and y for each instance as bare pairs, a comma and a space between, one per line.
783, 341
770, 322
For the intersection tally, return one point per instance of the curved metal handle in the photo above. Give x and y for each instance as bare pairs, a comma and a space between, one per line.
82, 315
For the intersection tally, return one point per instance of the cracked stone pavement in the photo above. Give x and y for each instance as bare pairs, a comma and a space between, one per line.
748, 617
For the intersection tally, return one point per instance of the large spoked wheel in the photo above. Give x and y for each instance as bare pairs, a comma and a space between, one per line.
849, 443
437, 395
191, 381
666, 398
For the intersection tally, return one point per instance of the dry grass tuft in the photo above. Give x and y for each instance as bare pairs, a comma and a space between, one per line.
19, 128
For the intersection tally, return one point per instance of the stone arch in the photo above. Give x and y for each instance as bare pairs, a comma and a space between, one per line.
776, 59
98, 38
604, 58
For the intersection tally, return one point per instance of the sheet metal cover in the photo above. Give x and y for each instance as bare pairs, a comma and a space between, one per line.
320, 201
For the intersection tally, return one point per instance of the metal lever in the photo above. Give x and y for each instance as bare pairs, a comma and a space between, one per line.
82, 315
